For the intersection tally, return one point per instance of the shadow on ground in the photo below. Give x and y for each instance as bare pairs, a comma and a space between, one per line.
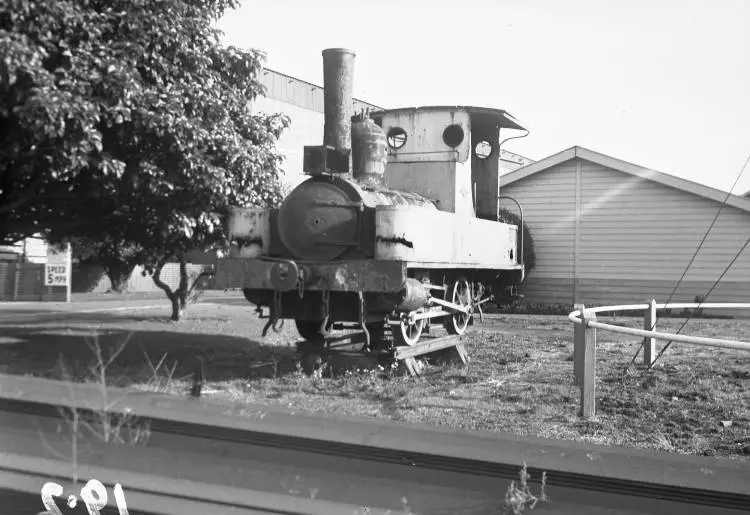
39, 346
25, 318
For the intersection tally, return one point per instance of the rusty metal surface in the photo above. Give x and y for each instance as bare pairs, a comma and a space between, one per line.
415, 296
424, 134
338, 81
327, 218
360, 275
381, 196
250, 228
369, 151
320, 220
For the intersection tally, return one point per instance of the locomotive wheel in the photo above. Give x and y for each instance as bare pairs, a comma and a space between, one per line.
461, 295
313, 330
406, 333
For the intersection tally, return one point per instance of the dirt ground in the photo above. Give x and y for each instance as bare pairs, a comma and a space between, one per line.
519, 379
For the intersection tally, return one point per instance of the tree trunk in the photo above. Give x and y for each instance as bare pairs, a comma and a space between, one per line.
177, 308
178, 297
182, 291
118, 275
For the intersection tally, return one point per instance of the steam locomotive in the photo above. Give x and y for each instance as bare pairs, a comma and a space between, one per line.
396, 227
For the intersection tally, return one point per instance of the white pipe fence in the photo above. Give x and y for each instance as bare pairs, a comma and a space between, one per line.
584, 348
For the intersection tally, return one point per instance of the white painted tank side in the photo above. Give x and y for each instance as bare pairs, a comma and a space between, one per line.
463, 200
437, 239
250, 224
436, 181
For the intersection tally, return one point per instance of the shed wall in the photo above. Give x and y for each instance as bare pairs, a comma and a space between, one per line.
635, 238
549, 206
636, 228
306, 128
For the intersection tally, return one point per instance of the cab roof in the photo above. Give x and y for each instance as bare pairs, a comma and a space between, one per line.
501, 118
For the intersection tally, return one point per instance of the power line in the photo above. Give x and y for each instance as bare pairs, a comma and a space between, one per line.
747, 242
690, 263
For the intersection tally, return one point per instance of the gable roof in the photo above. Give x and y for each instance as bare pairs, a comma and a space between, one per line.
623, 166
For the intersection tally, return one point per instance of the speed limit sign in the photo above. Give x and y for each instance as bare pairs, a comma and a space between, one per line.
55, 275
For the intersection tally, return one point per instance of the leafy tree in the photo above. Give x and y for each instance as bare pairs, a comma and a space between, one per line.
117, 257
128, 117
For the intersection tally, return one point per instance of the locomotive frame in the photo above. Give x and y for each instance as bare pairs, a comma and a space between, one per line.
397, 226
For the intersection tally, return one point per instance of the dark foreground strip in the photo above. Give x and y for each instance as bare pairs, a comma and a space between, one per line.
713, 483
20, 477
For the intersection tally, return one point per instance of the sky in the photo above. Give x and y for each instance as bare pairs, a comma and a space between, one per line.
664, 84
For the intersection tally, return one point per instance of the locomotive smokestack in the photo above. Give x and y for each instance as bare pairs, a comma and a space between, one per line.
338, 81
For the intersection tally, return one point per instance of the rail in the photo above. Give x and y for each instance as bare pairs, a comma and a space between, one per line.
585, 325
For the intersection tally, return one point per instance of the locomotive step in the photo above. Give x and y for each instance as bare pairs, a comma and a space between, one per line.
343, 352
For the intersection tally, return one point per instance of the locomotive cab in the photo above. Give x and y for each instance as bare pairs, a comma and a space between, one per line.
450, 154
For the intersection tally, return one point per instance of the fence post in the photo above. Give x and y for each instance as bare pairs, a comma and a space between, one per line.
588, 388
578, 346
16, 279
649, 324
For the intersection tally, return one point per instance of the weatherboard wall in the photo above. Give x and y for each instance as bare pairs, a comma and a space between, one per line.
627, 238
549, 203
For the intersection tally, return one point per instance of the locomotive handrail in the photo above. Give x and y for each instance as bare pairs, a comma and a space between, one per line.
575, 317
520, 210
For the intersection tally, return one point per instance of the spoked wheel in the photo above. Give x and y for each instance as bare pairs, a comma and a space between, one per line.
313, 330
406, 333
459, 293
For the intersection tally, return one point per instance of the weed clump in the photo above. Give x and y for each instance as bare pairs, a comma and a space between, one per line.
519, 497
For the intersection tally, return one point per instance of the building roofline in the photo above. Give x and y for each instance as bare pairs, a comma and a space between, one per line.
265, 71
515, 154
623, 166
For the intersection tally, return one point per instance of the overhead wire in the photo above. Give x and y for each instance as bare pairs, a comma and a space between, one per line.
716, 283
690, 263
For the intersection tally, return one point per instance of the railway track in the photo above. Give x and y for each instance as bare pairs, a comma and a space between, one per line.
209, 457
